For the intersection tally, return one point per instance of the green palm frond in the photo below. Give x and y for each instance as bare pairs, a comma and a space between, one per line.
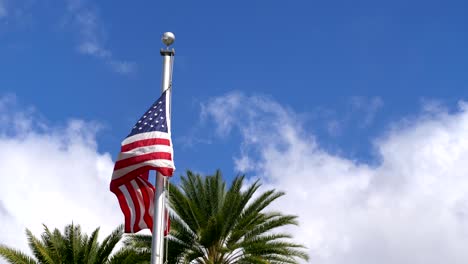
91, 247
15, 256
128, 256
39, 249
54, 242
212, 223
73, 246
108, 244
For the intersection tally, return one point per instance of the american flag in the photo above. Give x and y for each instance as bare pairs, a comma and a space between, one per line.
147, 147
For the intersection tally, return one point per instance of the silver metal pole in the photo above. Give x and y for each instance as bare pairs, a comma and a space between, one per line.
157, 246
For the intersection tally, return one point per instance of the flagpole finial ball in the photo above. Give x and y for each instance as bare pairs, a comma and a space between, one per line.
168, 38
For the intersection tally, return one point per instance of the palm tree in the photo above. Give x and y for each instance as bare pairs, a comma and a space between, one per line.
212, 224
72, 247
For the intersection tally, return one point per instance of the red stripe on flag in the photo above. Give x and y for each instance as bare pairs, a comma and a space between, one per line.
131, 175
165, 171
142, 158
148, 196
145, 143
124, 207
145, 175
167, 229
149, 151
136, 206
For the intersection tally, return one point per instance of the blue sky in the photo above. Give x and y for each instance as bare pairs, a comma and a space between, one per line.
312, 56
349, 77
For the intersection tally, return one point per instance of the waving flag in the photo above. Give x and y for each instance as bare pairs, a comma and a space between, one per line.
147, 147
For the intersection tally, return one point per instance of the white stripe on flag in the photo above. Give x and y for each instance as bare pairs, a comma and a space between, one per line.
151, 197
143, 151
140, 202
147, 135
160, 163
130, 204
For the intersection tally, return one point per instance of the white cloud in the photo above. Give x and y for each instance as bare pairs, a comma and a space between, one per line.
124, 67
91, 36
368, 106
83, 18
357, 113
16, 15
51, 175
3, 9
410, 208
90, 48
224, 106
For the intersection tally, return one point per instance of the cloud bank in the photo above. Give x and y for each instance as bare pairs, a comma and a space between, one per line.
51, 175
412, 207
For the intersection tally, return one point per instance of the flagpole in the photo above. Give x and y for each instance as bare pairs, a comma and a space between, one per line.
157, 245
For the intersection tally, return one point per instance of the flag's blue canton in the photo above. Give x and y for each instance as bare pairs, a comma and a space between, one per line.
154, 119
